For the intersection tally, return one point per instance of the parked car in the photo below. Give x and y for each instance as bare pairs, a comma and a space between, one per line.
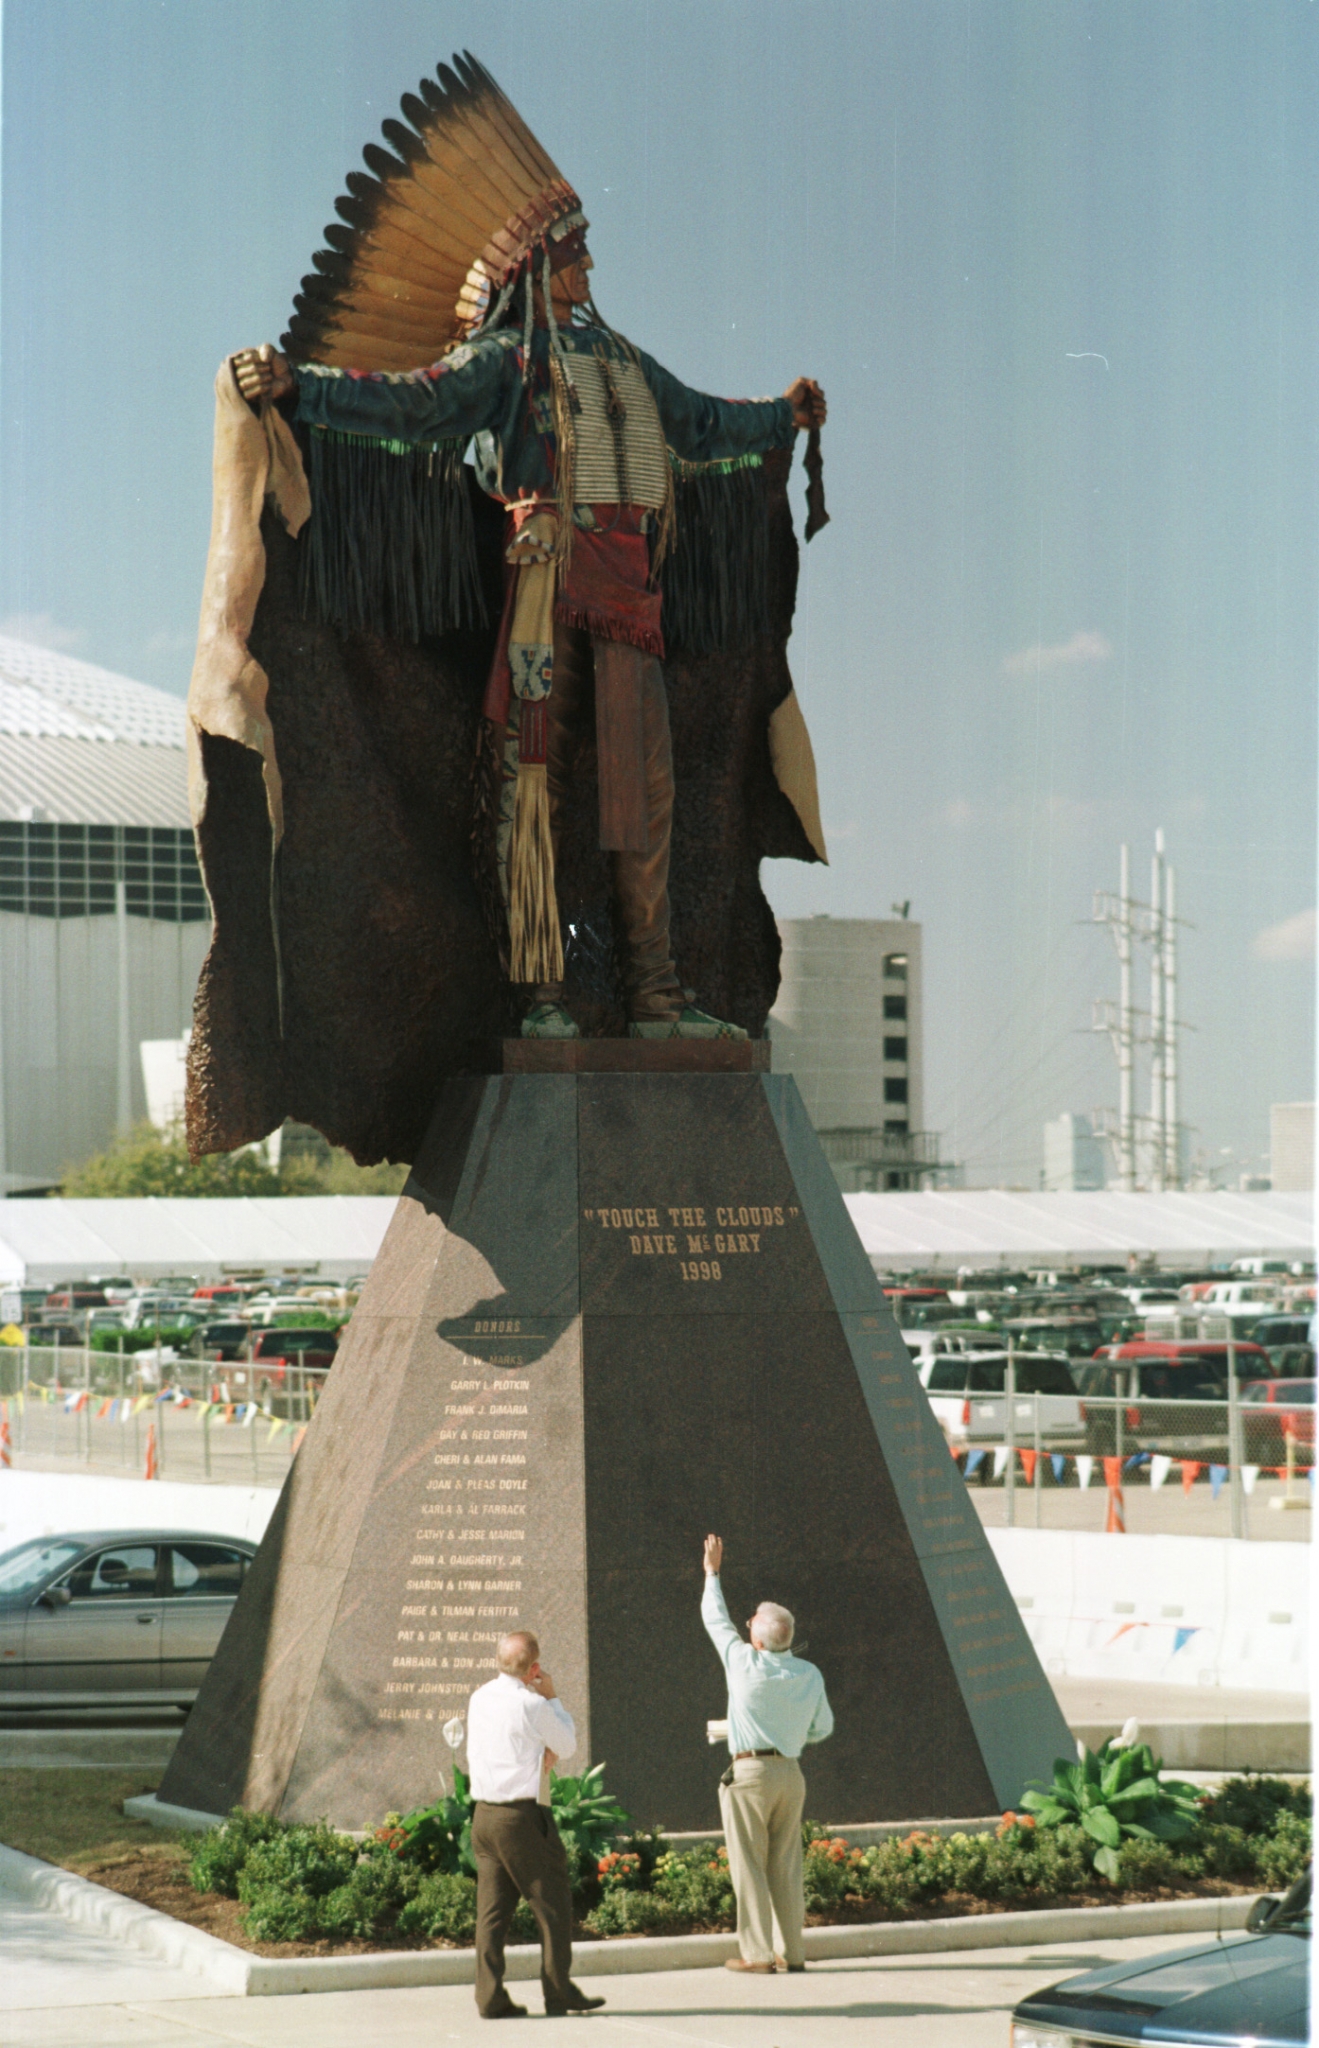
267, 1362
69, 1298
114, 1618
70, 1336
1277, 1330
1273, 1411
145, 1311
1077, 1336
1238, 1989
220, 1295
218, 1340
968, 1395
1161, 1386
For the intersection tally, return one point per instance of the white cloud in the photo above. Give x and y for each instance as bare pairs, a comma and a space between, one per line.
1080, 649
40, 629
1293, 939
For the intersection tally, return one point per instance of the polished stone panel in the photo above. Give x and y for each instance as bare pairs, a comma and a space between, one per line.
615, 1310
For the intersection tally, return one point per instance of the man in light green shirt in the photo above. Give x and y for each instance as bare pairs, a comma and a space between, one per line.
776, 1705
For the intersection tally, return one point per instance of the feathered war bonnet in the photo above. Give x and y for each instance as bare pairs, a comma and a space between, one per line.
437, 232
430, 244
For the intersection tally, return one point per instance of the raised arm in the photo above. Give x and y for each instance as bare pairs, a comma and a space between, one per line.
699, 428
456, 397
714, 1608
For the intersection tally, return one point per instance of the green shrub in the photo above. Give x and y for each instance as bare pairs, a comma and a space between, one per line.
587, 1818
437, 1838
632, 1912
830, 1871
218, 1859
1145, 1866
1282, 1856
697, 1883
1115, 1793
443, 1906
309, 1857
1255, 1804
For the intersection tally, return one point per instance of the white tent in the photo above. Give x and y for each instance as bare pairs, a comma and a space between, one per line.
334, 1237
951, 1227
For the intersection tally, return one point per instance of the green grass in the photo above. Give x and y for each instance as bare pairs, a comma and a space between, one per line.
75, 1817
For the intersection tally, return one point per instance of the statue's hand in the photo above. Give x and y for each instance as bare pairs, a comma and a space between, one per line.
261, 373
807, 402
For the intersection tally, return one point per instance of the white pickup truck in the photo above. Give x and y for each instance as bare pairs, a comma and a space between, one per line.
969, 1402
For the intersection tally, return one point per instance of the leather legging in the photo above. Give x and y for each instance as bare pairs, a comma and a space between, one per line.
621, 689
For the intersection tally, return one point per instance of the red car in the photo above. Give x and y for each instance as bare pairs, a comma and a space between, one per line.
1161, 1384
268, 1361
1272, 1411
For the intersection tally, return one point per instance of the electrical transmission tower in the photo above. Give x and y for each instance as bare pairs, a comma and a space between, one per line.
1150, 1142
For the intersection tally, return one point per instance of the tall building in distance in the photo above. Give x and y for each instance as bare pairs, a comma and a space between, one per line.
847, 1026
1073, 1154
104, 922
1291, 1147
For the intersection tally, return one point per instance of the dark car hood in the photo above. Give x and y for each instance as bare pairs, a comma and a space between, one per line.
1256, 1987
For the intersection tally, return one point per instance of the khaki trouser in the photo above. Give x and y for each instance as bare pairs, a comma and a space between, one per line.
519, 1855
761, 1812
616, 695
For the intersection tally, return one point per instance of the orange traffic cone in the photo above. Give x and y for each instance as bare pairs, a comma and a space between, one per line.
1116, 1523
151, 1452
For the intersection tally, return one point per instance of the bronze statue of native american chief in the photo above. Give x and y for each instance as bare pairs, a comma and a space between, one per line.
491, 747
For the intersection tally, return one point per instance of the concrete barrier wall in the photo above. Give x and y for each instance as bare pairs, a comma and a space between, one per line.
53, 1503
1197, 1611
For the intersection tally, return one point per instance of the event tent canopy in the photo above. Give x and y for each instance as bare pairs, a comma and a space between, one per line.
980, 1227
332, 1237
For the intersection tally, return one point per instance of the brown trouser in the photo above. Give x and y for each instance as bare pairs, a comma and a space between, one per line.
519, 1855
621, 691
761, 1812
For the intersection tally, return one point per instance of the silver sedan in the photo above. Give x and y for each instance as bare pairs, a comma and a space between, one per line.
114, 1618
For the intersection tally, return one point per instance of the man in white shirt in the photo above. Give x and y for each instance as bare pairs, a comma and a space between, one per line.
776, 1705
516, 1728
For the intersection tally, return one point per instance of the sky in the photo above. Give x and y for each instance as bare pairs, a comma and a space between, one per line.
1056, 264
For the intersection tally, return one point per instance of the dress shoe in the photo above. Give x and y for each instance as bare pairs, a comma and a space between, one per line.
579, 2002
749, 1969
506, 2012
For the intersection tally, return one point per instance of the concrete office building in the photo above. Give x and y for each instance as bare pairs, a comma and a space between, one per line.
104, 922
847, 1026
1291, 1147
1073, 1155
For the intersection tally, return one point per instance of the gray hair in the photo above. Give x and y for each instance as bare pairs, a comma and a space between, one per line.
774, 1625
516, 1652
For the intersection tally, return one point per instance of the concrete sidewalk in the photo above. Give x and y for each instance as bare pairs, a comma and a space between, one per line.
957, 2001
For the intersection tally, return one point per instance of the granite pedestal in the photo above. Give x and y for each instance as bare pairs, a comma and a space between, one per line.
615, 1310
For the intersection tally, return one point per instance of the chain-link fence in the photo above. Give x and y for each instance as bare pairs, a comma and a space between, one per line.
67, 1408
1235, 1447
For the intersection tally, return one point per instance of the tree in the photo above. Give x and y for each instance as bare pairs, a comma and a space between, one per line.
147, 1161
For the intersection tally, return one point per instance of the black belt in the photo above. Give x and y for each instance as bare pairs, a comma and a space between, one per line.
741, 1753
531, 1803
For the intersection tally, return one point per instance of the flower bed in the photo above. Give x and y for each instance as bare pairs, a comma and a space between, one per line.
413, 1882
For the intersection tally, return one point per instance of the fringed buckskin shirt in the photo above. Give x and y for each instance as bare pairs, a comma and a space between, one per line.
478, 391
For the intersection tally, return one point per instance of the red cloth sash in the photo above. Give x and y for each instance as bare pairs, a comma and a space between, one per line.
607, 589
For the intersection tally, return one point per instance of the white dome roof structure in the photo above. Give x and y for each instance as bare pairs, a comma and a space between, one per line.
80, 745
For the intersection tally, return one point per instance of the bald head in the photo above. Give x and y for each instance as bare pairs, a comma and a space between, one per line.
516, 1652
772, 1627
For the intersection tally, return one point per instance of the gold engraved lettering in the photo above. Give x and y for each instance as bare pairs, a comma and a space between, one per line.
701, 1269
